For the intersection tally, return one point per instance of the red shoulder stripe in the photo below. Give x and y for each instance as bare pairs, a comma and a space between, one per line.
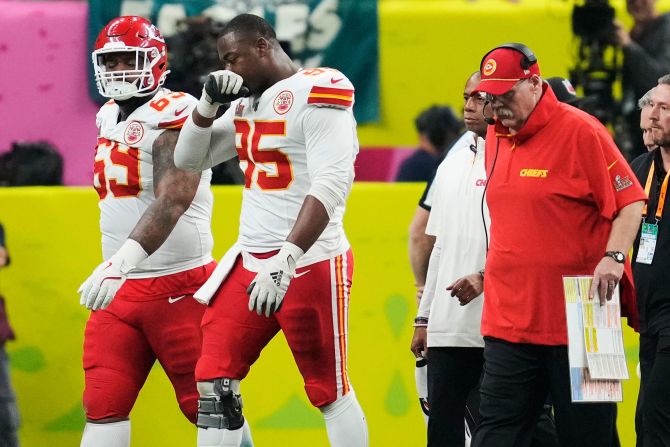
325, 100
332, 91
175, 124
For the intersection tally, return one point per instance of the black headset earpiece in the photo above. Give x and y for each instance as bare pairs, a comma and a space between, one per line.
529, 58
490, 121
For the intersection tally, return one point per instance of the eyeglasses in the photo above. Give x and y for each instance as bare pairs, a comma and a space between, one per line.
477, 97
507, 97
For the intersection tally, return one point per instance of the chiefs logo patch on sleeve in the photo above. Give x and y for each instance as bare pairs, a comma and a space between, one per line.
283, 102
134, 132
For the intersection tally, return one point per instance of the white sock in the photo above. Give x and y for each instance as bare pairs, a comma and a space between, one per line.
345, 422
247, 441
114, 434
214, 437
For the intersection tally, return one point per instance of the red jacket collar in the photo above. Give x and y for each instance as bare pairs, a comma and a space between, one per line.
539, 117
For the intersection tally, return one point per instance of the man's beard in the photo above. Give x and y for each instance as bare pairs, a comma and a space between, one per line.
660, 137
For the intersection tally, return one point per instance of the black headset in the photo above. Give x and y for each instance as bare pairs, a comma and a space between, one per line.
529, 58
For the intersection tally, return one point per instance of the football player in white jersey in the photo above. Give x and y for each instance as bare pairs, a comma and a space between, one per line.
291, 268
155, 221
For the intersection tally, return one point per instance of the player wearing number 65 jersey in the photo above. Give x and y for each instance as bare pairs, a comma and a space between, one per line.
292, 266
155, 221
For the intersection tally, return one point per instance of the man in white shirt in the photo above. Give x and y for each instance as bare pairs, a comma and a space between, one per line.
445, 326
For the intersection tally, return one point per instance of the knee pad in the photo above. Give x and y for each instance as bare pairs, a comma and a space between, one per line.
220, 404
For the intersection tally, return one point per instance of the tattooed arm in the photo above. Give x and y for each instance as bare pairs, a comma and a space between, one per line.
174, 190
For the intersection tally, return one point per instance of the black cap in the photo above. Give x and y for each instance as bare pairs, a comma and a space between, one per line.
564, 91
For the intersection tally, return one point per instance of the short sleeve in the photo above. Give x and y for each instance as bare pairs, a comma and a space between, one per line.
611, 180
426, 199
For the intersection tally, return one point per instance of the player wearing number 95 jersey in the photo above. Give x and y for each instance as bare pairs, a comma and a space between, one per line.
291, 268
155, 221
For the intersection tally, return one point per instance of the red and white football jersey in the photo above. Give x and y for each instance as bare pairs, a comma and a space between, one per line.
123, 178
283, 148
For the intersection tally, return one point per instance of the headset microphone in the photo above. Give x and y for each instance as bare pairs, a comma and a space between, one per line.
489, 121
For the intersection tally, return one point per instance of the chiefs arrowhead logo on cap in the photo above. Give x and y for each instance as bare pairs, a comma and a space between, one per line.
489, 67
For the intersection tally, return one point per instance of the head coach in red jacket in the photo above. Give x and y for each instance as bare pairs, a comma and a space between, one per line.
563, 201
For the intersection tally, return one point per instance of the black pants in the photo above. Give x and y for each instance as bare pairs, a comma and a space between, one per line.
453, 392
517, 378
652, 418
453, 373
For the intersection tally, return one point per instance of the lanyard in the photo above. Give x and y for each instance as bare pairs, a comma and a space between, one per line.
661, 197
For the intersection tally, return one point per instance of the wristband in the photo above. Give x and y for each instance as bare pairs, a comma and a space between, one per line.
420, 322
292, 251
205, 108
129, 255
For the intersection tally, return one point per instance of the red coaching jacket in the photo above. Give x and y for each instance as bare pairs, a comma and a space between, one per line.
553, 193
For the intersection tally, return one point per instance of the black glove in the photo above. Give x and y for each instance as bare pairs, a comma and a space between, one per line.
221, 87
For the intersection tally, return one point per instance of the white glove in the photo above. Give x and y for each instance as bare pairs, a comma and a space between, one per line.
99, 289
221, 87
268, 288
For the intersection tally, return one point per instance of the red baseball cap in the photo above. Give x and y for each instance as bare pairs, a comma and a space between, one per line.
501, 68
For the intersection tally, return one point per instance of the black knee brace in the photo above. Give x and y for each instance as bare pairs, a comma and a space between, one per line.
222, 410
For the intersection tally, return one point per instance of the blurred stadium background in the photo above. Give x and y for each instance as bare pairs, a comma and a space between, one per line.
423, 50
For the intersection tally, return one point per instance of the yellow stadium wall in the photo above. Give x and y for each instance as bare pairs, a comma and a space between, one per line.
55, 243
428, 48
